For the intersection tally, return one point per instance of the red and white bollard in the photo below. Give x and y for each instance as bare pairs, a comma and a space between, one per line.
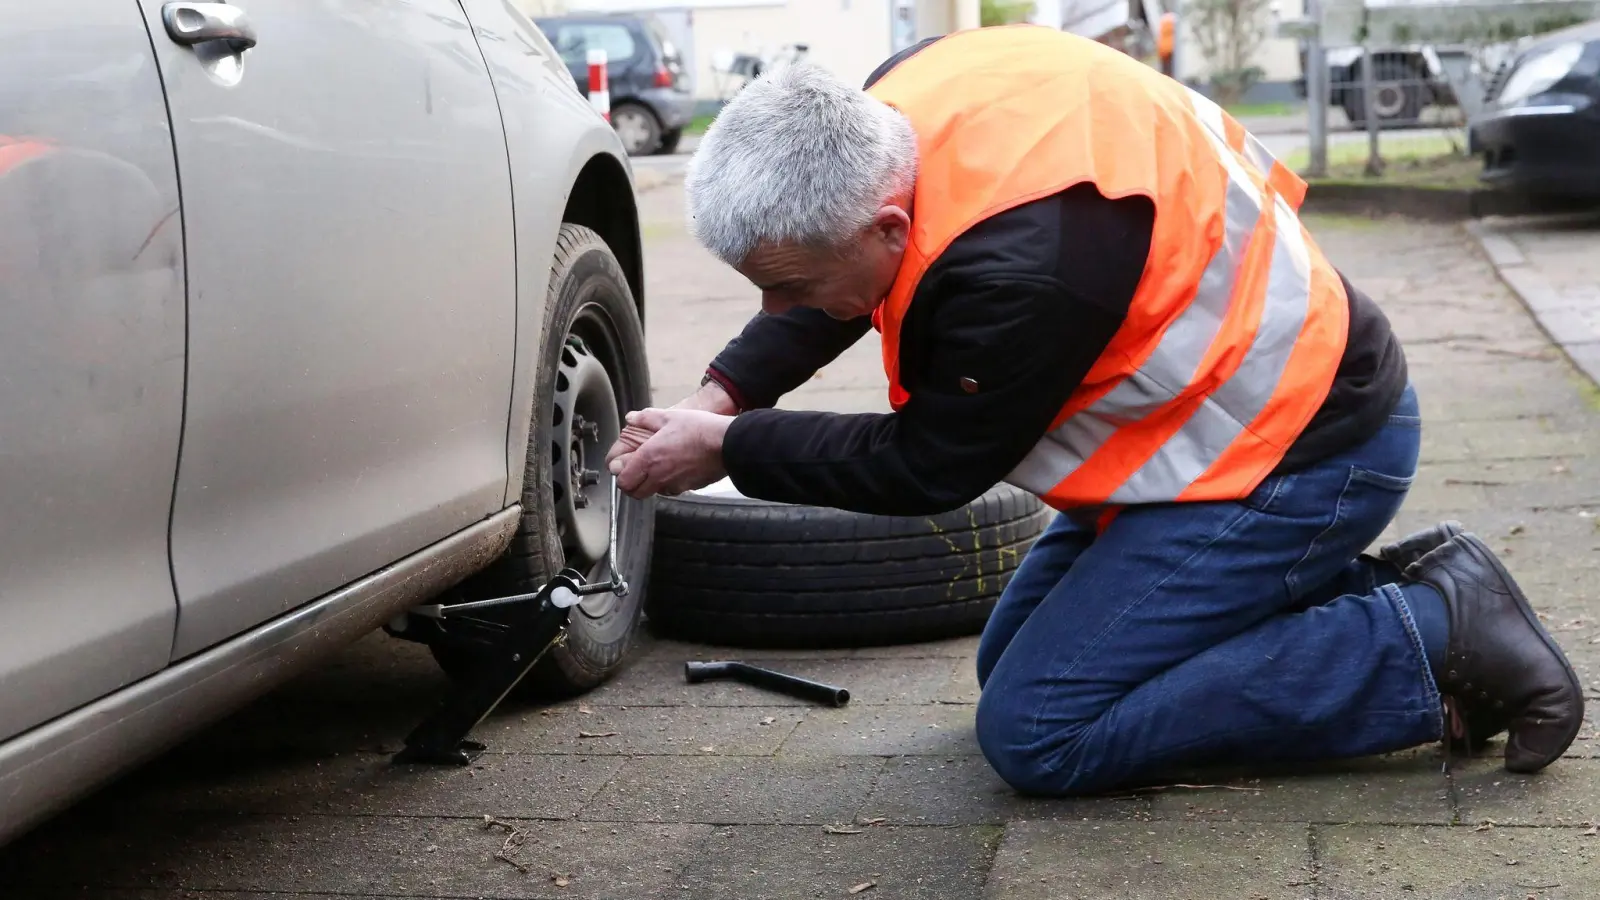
599, 87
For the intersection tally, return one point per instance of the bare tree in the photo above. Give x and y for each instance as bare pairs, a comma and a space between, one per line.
1228, 34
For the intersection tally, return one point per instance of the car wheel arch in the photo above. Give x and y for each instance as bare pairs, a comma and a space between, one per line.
602, 199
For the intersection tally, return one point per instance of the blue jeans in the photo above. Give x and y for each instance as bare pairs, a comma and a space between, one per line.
1194, 633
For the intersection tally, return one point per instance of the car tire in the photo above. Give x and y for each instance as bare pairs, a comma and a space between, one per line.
1399, 89
638, 128
589, 300
739, 572
670, 140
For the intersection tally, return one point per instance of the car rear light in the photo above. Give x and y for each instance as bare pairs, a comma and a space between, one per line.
663, 77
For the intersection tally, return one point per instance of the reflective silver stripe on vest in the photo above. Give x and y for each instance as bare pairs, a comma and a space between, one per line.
1211, 115
1182, 348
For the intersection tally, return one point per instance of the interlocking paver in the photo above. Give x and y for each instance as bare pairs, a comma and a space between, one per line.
508, 785
1565, 794
1404, 788
376, 856
1363, 862
939, 730
735, 790
1152, 861
761, 862
649, 730
1550, 261
964, 790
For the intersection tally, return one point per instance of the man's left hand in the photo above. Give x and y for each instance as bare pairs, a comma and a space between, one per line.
683, 452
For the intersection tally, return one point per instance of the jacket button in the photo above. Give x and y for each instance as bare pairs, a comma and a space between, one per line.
970, 385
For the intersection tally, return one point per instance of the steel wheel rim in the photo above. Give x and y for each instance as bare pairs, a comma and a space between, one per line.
1390, 99
585, 422
632, 128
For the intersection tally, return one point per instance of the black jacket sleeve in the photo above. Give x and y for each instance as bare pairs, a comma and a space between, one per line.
1022, 305
945, 446
776, 354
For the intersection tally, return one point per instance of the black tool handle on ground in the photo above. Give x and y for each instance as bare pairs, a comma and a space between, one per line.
793, 685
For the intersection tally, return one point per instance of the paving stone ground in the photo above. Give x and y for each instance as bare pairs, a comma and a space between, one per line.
1551, 263
721, 791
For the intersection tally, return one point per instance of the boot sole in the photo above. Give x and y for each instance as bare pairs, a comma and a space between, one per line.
1532, 618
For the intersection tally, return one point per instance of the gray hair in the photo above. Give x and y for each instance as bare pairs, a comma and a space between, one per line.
797, 156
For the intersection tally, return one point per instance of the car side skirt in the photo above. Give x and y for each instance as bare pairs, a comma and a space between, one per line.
47, 768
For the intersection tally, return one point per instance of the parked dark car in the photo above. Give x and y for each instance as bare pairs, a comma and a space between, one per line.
1540, 129
651, 100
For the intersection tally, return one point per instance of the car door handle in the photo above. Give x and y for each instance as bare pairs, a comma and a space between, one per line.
191, 23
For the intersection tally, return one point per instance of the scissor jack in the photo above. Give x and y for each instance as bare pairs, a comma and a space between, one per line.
536, 622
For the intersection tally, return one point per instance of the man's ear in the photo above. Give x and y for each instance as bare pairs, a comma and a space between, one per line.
893, 225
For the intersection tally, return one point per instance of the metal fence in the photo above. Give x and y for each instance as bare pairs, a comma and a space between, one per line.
1394, 105
1386, 101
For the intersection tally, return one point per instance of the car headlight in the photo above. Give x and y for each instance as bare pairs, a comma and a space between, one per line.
1540, 72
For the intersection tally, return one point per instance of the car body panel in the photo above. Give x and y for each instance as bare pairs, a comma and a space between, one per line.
50, 766
351, 301
551, 133
1546, 143
91, 357
1554, 150
673, 107
466, 376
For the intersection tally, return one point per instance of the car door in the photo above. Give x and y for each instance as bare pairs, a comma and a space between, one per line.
351, 295
91, 357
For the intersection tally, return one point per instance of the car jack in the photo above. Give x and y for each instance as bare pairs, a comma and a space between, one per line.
537, 622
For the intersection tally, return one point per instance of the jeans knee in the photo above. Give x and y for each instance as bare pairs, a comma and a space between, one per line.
1031, 763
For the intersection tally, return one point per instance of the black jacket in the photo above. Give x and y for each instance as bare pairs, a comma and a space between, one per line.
1022, 304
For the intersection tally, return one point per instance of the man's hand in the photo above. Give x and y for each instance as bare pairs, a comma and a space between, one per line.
683, 451
710, 398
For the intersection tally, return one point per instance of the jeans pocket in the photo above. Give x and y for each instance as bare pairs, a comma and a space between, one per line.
1365, 506
1379, 480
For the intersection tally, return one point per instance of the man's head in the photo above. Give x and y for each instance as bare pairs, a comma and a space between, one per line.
804, 185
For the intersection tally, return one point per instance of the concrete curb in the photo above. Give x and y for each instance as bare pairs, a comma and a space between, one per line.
1428, 203
1557, 315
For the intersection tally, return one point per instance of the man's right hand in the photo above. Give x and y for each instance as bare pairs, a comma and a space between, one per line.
710, 398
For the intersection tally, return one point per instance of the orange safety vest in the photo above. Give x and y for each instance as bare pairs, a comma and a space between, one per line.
1239, 323
1166, 36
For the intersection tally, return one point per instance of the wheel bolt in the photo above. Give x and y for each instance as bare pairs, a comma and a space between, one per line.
588, 477
588, 429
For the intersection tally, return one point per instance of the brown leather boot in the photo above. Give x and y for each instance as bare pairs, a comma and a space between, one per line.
1414, 546
1501, 664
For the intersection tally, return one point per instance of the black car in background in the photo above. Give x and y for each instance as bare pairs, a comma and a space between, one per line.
1539, 132
651, 99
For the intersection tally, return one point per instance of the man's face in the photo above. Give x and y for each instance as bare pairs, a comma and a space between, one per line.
845, 285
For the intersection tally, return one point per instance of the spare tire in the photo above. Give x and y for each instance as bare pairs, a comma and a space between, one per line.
735, 571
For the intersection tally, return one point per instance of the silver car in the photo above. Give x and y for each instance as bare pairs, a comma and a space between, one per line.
311, 311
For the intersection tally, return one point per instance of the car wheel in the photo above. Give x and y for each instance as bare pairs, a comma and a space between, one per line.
592, 370
669, 140
637, 127
1398, 95
749, 573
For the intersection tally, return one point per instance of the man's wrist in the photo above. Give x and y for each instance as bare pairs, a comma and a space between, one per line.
713, 397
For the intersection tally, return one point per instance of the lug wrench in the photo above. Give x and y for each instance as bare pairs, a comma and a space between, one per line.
801, 688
